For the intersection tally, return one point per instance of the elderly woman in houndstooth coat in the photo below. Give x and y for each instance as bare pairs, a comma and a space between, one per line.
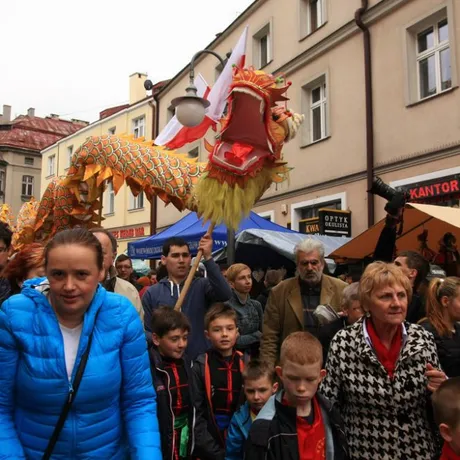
380, 373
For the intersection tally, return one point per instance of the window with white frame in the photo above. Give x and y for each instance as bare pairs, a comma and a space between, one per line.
112, 130
312, 16
110, 199
314, 105
136, 202
263, 46
431, 55
139, 127
318, 108
433, 59
308, 222
28, 161
69, 154
51, 165
304, 215
27, 186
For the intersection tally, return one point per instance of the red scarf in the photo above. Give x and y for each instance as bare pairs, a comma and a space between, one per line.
386, 357
448, 453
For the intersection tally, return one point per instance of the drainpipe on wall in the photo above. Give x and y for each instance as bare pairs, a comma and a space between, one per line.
369, 108
155, 132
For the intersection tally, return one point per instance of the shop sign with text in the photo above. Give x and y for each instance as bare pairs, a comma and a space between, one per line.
333, 222
424, 191
130, 232
309, 226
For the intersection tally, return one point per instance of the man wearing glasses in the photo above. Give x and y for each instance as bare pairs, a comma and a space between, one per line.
292, 302
5, 245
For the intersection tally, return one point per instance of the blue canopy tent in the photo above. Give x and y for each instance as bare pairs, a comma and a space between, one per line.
191, 229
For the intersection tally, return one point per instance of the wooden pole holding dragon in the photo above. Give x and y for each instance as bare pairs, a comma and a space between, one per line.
191, 274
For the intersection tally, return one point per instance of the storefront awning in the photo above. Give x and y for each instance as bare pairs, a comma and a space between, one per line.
437, 220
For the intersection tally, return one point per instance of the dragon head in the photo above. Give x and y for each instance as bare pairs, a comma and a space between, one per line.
255, 127
247, 157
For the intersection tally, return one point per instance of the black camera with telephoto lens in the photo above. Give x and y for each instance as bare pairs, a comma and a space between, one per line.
396, 199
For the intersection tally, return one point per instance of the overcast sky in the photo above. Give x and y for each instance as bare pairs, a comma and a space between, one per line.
74, 58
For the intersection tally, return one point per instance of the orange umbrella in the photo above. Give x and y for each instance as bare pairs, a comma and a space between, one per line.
437, 220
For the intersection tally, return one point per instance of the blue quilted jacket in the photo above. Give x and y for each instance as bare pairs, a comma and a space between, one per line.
238, 432
115, 408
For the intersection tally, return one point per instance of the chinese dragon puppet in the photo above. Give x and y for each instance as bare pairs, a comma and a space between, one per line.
245, 160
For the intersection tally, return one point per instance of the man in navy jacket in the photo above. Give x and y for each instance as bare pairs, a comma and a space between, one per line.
202, 294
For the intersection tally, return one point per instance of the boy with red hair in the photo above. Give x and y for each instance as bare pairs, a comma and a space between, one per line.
297, 422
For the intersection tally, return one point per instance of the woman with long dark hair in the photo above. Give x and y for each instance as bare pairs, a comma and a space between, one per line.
75, 379
443, 314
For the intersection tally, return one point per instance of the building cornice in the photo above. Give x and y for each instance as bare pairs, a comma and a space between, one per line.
145, 101
341, 34
19, 150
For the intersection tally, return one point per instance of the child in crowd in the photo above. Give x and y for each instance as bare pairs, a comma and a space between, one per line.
446, 405
259, 385
217, 376
297, 422
249, 311
171, 374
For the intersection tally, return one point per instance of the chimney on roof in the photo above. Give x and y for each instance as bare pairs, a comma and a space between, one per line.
136, 87
31, 112
54, 115
6, 117
81, 122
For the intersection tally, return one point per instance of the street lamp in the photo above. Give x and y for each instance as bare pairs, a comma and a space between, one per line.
190, 109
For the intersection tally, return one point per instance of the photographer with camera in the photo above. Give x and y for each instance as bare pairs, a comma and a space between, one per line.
413, 264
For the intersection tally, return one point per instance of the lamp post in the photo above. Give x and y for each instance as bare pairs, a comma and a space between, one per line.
190, 111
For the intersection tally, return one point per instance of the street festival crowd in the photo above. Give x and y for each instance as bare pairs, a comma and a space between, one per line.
95, 363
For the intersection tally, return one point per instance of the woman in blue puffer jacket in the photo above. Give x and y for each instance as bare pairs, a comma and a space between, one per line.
44, 332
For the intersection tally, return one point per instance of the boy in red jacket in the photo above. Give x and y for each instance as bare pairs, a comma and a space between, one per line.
446, 405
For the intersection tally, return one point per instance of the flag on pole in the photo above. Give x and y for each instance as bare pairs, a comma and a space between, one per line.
175, 135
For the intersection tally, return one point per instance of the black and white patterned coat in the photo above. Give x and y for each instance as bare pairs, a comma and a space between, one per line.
384, 418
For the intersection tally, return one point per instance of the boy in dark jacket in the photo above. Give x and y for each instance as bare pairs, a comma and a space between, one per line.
171, 374
297, 422
217, 378
259, 385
